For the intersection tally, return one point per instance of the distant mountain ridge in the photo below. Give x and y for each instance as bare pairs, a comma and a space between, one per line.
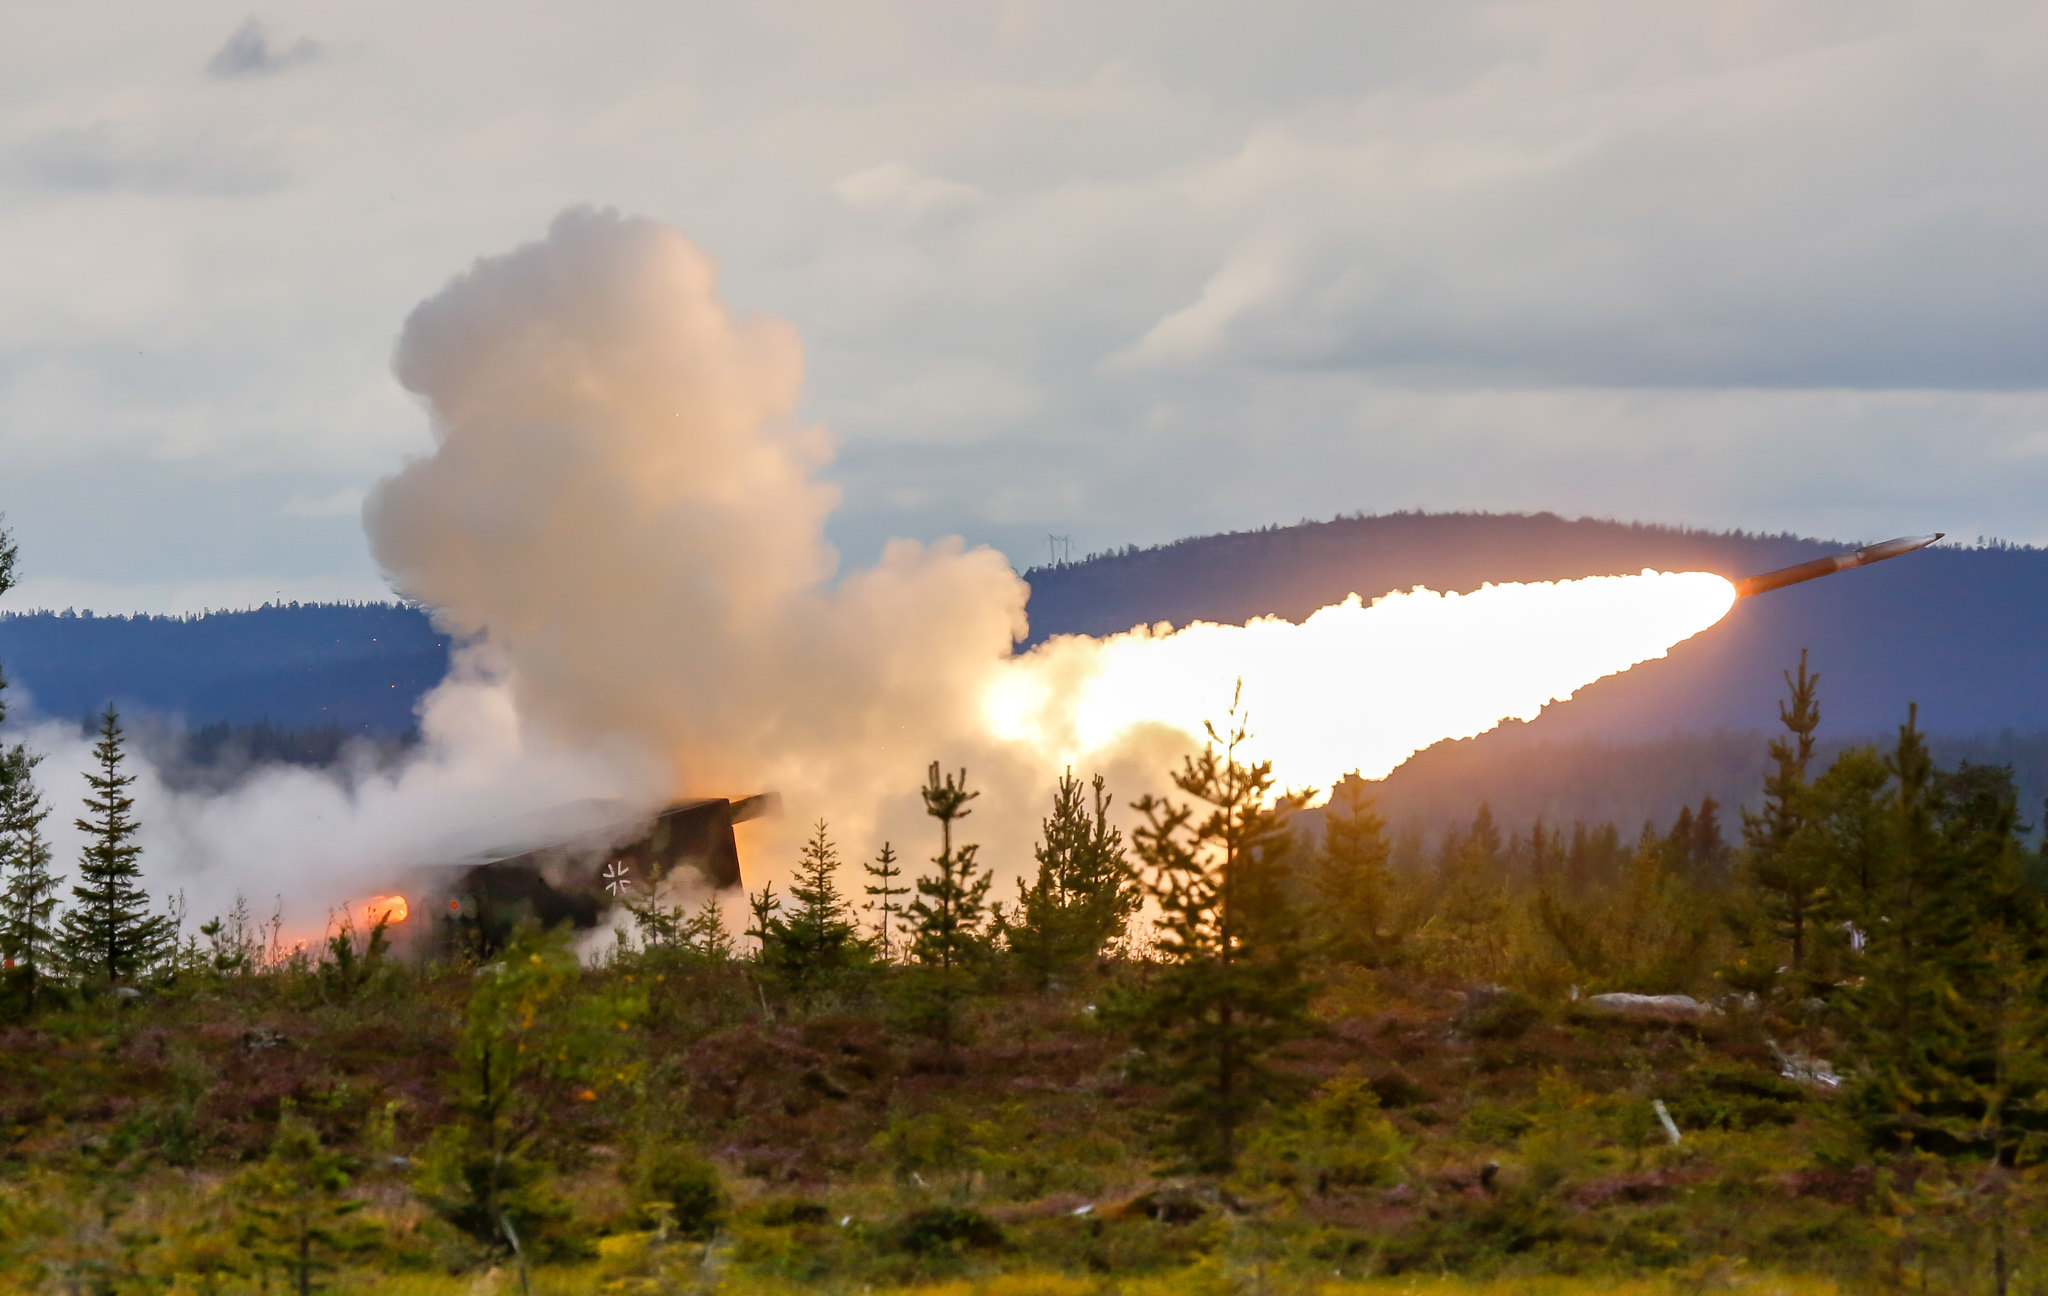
359, 667
1962, 631
1291, 571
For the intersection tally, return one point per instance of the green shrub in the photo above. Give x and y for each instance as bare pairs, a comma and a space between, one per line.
788, 1212
1722, 1094
946, 1230
1494, 1124
1502, 1015
1337, 1139
1395, 1090
672, 1178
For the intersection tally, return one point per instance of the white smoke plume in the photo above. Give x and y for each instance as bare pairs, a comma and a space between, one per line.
622, 520
311, 845
623, 507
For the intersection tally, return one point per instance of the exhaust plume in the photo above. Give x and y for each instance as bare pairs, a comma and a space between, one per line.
622, 505
621, 518
1354, 688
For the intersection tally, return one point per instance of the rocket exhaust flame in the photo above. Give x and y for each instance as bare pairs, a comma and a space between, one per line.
1362, 688
390, 910
1354, 687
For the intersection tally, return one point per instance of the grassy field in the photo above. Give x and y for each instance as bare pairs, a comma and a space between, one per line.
1510, 1142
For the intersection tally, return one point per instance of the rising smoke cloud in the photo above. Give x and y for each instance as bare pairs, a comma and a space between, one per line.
623, 508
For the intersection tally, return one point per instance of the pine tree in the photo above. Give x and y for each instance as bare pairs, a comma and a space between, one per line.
670, 930
1694, 849
533, 1042
1469, 929
1782, 867
705, 934
1849, 818
1647, 932
1941, 1021
1232, 989
949, 914
109, 933
1084, 893
885, 870
299, 1215
28, 890
1709, 856
765, 906
1353, 883
816, 942
27, 939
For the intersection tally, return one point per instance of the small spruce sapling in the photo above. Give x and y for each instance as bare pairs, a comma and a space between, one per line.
299, 1216
672, 931
1338, 1139
948, 917
885, 871
352, 961
534, 1043
1084, 893
765, 907
1233, 987
1353, 883
232, 945
705, 933
815, 944
1783, 869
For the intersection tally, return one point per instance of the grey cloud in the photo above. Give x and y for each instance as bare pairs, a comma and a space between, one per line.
249, 52
895, 189
1155, 268
1857, 214
106, 158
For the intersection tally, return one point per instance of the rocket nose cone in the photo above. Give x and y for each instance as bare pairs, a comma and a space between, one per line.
1893, 548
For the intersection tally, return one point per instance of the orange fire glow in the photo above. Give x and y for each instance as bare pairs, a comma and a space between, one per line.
391, 910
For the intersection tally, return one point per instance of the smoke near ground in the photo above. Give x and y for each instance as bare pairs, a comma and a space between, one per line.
305, 843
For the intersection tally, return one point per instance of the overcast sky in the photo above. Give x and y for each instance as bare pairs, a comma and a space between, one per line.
1125, 272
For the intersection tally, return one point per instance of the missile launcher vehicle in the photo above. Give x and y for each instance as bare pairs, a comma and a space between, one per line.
578, 876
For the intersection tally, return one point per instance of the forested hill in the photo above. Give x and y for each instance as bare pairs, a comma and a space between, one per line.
358, 667
1293, 570
1961, 631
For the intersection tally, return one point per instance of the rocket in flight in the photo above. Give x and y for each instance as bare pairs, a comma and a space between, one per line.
1819, 567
